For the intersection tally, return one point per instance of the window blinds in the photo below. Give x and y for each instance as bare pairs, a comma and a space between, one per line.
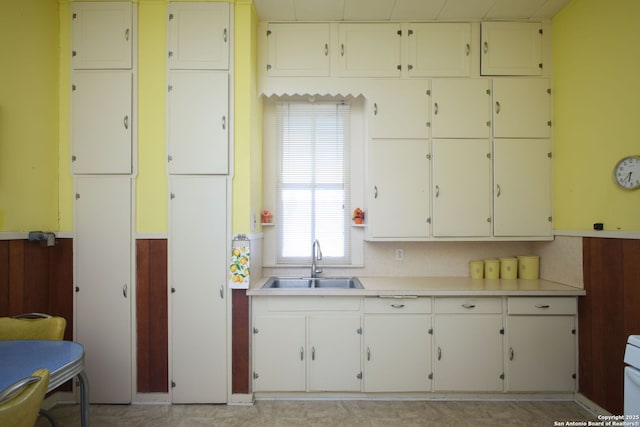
313, 181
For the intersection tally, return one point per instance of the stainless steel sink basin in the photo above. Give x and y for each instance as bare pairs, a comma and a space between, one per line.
313, 283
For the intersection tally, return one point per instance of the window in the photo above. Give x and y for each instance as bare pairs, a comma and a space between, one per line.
312, 189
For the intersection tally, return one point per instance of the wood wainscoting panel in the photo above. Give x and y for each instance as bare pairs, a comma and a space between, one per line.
608, 314
152, 316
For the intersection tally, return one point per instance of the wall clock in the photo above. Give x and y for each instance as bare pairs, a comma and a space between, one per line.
627, 172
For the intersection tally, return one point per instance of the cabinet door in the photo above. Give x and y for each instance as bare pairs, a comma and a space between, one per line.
399, 189
198, 122
541, 353
461, 108
198, 36
397, 353
399, 109
103, 277
522, 108
468, 352
198, 253
101, 122
334, 353
511, 49
441, 49
369, 50
522, 194
298, 50
461, 188
101, 35
279, 353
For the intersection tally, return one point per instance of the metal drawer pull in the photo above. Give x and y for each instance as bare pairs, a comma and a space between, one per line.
126, 34
368, 354
313, 353
497, 107
375, 192
224, 35
435, 108
468, 49
439, 353
510, 353
437, 190
375, 108
124, 290
397, 305
542, 305
342, 49
301, 353
126, 122
469, 306
499, 190
486, 47
326, 49
224, 122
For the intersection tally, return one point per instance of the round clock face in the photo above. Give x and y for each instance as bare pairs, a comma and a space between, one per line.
627, 172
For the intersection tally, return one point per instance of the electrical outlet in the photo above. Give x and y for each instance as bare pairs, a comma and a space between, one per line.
399, 255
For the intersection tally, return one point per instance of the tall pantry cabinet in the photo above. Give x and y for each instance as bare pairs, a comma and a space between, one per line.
198, 123
103, 124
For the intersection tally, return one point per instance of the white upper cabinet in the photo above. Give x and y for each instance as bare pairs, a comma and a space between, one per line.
399, 189
461, 108
522, 108
439, 49
298, 50
101, 122
198, 36
101, 35
399, 109
369, 50
198, 122
461, 188
522, 194
511, 49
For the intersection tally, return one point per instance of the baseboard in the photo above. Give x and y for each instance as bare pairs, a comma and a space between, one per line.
59, 398
241, 399
590, 405
151, 399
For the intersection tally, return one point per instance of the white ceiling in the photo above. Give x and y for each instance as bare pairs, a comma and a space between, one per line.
407, 10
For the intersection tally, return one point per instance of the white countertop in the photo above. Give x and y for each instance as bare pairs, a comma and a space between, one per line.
432, 286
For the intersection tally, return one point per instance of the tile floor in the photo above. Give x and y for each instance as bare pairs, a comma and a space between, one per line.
333, 413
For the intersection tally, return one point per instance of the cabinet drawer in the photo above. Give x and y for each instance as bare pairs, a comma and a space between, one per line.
312, 303
542, 305
397, 305
468, 305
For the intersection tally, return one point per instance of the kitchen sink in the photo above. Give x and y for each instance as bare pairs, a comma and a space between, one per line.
313, 283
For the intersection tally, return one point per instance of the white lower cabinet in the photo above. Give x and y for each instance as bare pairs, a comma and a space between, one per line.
541, 344
306, 344
468, 344
397, 344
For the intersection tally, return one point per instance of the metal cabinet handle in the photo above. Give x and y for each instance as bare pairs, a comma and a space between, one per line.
497, 107
375, 192
221, 291
368, 354
224, 122
375, 108
468, 49
224, 35
397, 305
435, 108
313, 353
498, 190
468, 306
301, 353
326, 49
485, 47
542, 306
510, 353
126, 122
439, 353
342, 49
124, 290
126, 34
437, 190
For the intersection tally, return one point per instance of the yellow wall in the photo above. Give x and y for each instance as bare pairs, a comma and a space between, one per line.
247, 182
29, 115
596, 65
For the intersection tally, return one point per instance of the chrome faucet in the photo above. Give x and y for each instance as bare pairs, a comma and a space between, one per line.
316, 255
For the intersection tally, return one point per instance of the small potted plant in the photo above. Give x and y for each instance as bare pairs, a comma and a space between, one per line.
358, 215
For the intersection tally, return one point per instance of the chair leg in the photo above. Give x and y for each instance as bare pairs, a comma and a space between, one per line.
48, 416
